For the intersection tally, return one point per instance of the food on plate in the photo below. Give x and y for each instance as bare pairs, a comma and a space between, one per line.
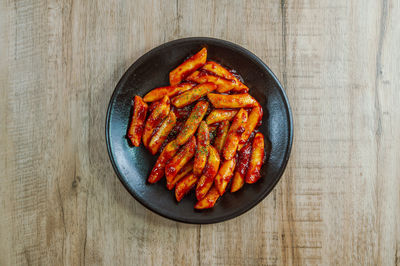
160, 111
162, 133
256, 159
223, 85
180, 159
212, 130
153, 106
170, 91
219, 115
193, 95
137, 122
159, 168
241, 167
232, 101
222, 132
219, 70
253, 120
234, 134
205, 149
203, 141
192, 123
224, 175
207, 178
187, 67
185, 185
209, 200
182, 173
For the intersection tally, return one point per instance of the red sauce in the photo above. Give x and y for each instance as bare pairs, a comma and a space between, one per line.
182, 190
186, 73
210, 172
158, 170
244, 159
203, 138
170, 170
240, 130
182, 113
140, 120
153, 106
203, 72
141, 114
235, 74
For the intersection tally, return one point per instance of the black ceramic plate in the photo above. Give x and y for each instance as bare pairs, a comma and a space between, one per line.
133, 165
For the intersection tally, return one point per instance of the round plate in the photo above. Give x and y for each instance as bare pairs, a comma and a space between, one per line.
133, 165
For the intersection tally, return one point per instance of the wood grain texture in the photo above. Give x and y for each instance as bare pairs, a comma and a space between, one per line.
337, 203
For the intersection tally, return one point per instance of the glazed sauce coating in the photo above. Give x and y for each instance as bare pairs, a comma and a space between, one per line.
155, 118
234, 134
185, 185
222, 133
211, 169
221, 71
193, 95
224, 175
192, 123
180, 159
181, 174
202, 76
136, 128
187, 67
158, 170
170, 91
141, 115
209, 200
161, 133
256, 159
244, 158
203, 141
244, 100
253, 122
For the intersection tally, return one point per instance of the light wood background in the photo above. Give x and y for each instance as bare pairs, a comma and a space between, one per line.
338, 202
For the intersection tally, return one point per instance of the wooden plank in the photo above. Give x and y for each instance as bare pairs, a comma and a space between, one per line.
25, 196
120, 230
6, 151
385, 190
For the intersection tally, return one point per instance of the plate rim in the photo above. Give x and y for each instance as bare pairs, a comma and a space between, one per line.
252, 56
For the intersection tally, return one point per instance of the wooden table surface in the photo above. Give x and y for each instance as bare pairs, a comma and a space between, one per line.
338, 202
